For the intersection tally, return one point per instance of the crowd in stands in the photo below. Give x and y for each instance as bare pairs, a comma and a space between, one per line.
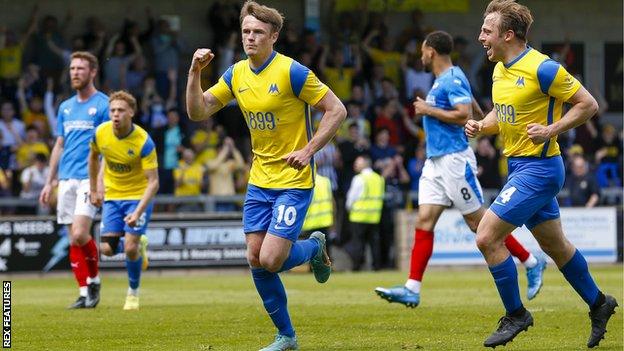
376, 75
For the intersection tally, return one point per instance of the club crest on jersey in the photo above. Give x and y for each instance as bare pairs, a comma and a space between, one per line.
520, 82
130, 152
273, 90
92, 111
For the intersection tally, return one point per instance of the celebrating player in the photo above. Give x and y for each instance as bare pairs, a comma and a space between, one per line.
449, 174
274, 93
528, 92
130, 183
77, 119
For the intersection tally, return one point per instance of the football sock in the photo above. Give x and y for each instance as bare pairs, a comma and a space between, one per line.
273, 297
530, 262
134, 272
78, 265
506, 279
421, 252
577, 274
301, 252
516, 249
133, 292
83, 291
90, 253
413, 285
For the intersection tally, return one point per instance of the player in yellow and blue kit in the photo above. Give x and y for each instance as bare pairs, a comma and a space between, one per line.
528, 93
275, 93
130, 179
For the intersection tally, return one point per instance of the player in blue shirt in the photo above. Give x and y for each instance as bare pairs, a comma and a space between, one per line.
449, 174
77, 119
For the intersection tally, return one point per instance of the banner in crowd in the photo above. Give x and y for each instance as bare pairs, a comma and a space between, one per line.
32, 244
592, 231
403, 5
39, 244
191, 243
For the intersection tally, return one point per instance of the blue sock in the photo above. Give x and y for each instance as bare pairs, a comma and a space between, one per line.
300, 252
577, 274
273, 297
506, 278
134, 272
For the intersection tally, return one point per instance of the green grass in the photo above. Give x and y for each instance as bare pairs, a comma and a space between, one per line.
210, 311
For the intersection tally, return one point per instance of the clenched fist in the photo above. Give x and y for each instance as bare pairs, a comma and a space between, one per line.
201, 59
473, 128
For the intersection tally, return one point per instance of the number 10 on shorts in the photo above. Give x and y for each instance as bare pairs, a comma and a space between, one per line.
287, 214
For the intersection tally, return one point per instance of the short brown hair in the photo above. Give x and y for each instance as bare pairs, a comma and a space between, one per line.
263, 13
93, 61
124, 96
513, 16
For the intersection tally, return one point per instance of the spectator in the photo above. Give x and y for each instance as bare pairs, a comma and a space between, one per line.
33, 180
386, 119
152, 106
608, 158
353, 146
386, 56
32, 111
415, 166
487, 164
582, 185
355, 115
188, 179
364, 203
167, 48
417, 81
11, 54
204, 141
222, 170
171, 145
12, 129
33, 145
117, 62
382, 152
49, 30
326, 160
339, 77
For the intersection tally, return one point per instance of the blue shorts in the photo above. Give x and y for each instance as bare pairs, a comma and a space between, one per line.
280, 212
530, 195
114, 211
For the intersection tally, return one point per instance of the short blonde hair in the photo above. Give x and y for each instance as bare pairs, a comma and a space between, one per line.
124, 96
85, 55
513, 16
264, 14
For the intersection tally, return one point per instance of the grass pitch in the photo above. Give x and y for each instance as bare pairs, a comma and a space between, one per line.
207, 311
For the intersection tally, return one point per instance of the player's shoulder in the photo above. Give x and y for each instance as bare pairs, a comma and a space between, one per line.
104, 129
100, 98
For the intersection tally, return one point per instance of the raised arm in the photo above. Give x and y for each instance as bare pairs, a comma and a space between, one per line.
200, 105
334, 114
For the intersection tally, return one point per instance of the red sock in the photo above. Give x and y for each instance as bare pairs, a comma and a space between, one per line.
78, 265
516, 249
421, 252
90, 252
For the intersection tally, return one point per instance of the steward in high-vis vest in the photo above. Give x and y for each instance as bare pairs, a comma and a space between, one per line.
320, 214
364, 203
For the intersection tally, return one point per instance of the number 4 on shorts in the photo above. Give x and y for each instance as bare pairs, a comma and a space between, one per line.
505, 196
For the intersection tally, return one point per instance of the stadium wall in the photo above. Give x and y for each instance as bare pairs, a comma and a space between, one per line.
593, 231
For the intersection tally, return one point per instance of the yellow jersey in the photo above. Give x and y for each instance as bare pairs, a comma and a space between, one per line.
275, 100
125, 160
530, 89
189, 178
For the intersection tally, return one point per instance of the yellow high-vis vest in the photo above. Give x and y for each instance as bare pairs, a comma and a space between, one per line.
321, 211
367, 208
